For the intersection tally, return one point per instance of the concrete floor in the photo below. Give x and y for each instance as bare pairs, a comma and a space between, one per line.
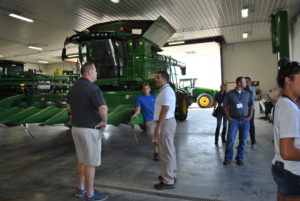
43, 168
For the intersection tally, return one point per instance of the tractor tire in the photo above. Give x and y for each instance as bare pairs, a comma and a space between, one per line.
205, 100
190, 100
181, 107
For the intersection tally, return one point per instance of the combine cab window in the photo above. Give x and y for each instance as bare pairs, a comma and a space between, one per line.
107, 55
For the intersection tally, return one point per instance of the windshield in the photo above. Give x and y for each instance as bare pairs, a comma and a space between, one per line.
108, 55
185, 83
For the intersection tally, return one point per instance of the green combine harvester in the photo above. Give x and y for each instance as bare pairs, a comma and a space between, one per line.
125, 54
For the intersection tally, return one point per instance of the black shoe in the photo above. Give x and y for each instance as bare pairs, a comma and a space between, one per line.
160, 178
156, 157
216, 142
240, 162
226, 162
163, 186
224, 141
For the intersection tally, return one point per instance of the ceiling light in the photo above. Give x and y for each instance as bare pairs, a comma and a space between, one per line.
245, 35
44, 62
1, 55
35, 48
20, 17
176, 43
115, 1
191, 52
245, 12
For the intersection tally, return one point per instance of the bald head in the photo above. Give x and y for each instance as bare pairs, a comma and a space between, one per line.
88, 71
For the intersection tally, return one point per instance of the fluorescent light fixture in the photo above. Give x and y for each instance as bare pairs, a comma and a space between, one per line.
44, 62
245, 35
115, 1
245, 12
35, 48
20, 17
1, 55
176, 43
191, 52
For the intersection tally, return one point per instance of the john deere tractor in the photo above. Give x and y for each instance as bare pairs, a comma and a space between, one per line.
204, 97
125, 54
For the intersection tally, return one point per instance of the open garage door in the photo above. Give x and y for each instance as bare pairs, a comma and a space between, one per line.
203, 61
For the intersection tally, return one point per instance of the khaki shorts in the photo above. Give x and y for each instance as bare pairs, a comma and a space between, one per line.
150, 126
88, 145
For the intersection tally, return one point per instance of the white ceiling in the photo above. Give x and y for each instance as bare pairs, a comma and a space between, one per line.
192, 19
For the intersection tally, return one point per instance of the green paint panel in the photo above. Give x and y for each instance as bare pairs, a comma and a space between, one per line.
43, 115
16, 118
9, 112
59, 118
120, 114
198, 91
7, 102
280, 34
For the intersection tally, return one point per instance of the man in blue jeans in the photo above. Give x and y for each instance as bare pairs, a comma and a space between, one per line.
238, 108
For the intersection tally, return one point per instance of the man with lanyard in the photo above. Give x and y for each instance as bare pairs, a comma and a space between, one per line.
145, 103
238, 108
165, 131
88, 111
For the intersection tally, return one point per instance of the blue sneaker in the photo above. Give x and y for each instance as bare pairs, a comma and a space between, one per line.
253, 146
80, 192
96, 197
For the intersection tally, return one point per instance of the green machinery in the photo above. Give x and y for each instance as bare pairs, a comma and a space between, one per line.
14, 80
280, 34
125, 54
204, 97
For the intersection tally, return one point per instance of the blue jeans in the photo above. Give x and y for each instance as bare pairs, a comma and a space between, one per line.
243, 127
287, 182
221, 116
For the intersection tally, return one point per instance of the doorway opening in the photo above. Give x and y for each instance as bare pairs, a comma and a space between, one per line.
203, 61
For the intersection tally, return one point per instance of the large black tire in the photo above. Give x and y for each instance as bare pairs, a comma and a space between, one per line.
205, 100
190, 100
181, 106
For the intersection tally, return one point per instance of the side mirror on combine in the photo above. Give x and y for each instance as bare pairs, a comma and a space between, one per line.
64, 54
183, 70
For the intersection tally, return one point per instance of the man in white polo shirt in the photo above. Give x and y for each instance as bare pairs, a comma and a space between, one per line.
165, 131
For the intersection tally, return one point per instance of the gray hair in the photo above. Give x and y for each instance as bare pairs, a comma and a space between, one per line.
87, 67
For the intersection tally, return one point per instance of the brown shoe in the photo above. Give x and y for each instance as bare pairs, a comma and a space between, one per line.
163, 186
160, 178
156, 157
240, 162
226, 162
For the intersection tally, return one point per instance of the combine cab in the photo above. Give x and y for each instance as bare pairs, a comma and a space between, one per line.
125, 54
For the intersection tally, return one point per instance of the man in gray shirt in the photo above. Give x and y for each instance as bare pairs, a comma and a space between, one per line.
238, 108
